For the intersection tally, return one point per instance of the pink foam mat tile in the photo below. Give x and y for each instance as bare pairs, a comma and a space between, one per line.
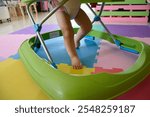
110, 56
113, 60
101, 69
9, 44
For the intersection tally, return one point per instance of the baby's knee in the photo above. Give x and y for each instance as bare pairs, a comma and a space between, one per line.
67, 31
87, 27
65, 28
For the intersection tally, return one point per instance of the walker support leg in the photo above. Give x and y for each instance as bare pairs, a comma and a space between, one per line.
98, 18
117, 42
40, 38
38, 28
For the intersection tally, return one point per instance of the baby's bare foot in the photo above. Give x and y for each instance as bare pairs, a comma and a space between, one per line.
76, 64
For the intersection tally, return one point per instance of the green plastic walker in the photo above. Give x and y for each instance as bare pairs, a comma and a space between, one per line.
59, 85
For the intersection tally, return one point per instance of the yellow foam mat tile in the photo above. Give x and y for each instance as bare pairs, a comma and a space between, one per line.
16, 83
69, 70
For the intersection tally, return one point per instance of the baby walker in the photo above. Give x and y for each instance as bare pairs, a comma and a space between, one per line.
60, 85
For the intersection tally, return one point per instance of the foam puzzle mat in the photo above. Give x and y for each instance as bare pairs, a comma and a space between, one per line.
16, 82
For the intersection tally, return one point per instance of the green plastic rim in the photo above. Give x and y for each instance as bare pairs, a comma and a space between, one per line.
59, 85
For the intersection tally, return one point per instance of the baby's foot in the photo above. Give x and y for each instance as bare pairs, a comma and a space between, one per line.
76, 64
77, 44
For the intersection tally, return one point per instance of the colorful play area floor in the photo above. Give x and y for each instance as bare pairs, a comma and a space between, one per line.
96, 55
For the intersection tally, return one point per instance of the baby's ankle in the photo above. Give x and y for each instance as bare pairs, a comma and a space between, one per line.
77, 44
74, 57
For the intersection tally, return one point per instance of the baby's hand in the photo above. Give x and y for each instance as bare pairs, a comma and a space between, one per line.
76, 64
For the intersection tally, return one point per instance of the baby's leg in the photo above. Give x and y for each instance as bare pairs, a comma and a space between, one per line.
68, 33
85, 26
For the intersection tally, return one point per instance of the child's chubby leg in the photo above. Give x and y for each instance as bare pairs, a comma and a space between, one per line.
64, 22
85, 26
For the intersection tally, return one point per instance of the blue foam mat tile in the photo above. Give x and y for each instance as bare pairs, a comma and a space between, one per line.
86, 52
